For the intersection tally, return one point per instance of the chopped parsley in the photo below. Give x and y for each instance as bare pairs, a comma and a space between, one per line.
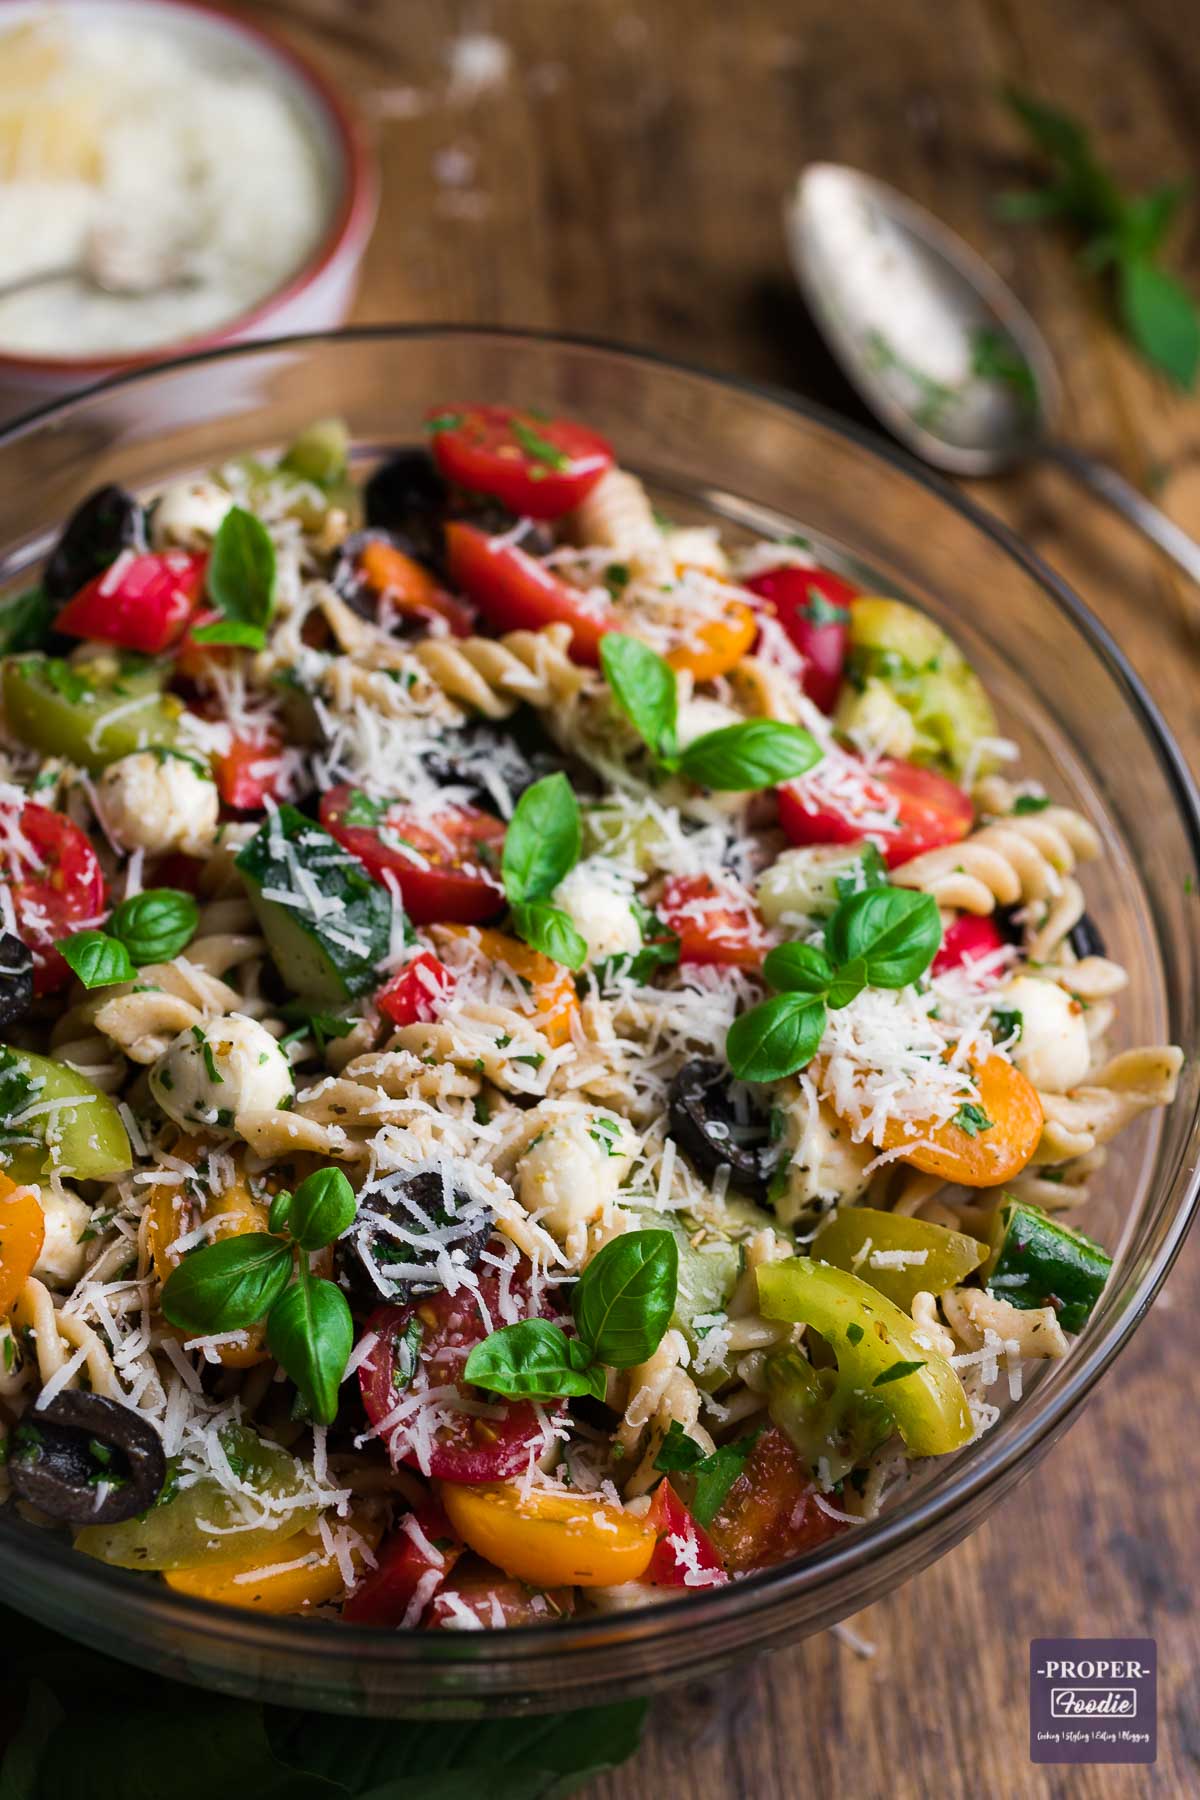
972, 1119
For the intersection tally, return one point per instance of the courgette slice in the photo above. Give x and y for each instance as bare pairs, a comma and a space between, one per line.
1038, 1261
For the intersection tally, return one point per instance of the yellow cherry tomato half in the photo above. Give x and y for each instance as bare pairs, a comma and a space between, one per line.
550, 1539
717, 645
551, 987
174, 1211
300, 1574
982, 1151
22, 1230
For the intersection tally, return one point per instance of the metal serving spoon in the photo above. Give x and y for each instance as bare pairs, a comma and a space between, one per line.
936, 344
114, 263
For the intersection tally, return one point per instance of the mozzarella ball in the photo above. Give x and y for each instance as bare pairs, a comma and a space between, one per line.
188, 515
155, 800
700, 715
573, 1170
598, 905
211, 1073
64, 1249
1053, 1049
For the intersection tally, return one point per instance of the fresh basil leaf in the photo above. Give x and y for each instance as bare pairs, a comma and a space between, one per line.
241, 581
97, 959
643, 686
281, 1206
894, 931
227, 1285
777, 1038
155, 925
1030, 803
533, 1360
757, 753
798, 969
1160, 316
310, 1334
678, 1452
322, 1207
26, 622
713, 1475
320, 1026
624, 1299
847, 984
543, 840
549, 929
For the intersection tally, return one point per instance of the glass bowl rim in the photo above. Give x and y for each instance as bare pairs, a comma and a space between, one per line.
78, 1580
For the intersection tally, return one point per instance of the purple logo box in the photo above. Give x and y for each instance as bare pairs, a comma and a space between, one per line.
1093, 1700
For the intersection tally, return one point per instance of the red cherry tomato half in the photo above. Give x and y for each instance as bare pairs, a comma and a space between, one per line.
143, 602
250, 771
683, 1556
538, 468
56, 881
968, 940
770, 1513
515, 592
483, 1593
415, 994
411, 1565
444, 866
813, 607
486, 1445
840, 803
715, 922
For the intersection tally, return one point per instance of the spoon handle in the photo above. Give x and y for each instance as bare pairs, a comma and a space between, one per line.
1133, 506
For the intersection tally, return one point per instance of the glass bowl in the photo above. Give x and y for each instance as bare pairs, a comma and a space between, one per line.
752, 459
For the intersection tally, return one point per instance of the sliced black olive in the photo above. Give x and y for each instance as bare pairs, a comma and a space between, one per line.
1085, 939
1005, 918
482, 765
408, 498
713, 1129
86, 1460
107, 522
417, 1205
16, 979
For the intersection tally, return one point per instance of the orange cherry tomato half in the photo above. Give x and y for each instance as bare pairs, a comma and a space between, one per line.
297, 1576
174, 1213
514, 592
717, 645
549, 1539
985, 1153
22, 1230
770, 1513
538, 468
550, 986
372, 566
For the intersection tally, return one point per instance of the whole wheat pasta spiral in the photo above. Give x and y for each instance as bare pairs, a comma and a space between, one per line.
617, 516
1013, 861
1132, 1083
971, 1313
493, 676
56, 1336
339, 1115
659, 1391
175, 995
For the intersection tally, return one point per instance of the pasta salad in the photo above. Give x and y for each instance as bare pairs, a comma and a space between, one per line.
548, 1058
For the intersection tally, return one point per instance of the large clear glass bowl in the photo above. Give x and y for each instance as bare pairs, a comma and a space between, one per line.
750, 458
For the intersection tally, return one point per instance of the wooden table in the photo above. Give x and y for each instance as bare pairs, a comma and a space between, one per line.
621, 174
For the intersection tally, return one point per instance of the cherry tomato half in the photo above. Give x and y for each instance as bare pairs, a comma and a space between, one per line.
401, 585
538, 468
415, 994
250, 771
550, 1539
496, 1602
928, 809
514, 592
716, 645
996, 1138
554, 1003
143, 602
22, 1231
770, 1513
57, 885
461, 1447
968, 940
444, 866
813, 607
715, 922
411, 1565
684, 1555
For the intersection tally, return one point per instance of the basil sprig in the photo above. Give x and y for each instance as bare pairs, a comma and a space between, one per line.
241, 582
756, 753
147, 928
541, 846
883, 937
622, 1305
237, 1281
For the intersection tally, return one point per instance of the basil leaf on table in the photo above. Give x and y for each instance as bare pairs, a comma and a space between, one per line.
322, 1207
543, 840
777, 1038
227, 1285
643, 686
624, 1299
1160, 316
549, 929
155, 925
241, 582
895, 932
755, 754
310, 1334
97, 959
534, 1360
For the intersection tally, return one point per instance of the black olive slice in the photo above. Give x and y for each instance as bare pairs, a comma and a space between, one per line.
16, 978
416, 1205
713, 1131
107, 522
87, 1460
1085, 939
407, 498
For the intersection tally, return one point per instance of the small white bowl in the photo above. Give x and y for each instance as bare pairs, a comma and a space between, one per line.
318, 295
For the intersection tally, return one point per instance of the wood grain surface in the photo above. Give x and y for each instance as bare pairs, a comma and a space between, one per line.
621, 174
